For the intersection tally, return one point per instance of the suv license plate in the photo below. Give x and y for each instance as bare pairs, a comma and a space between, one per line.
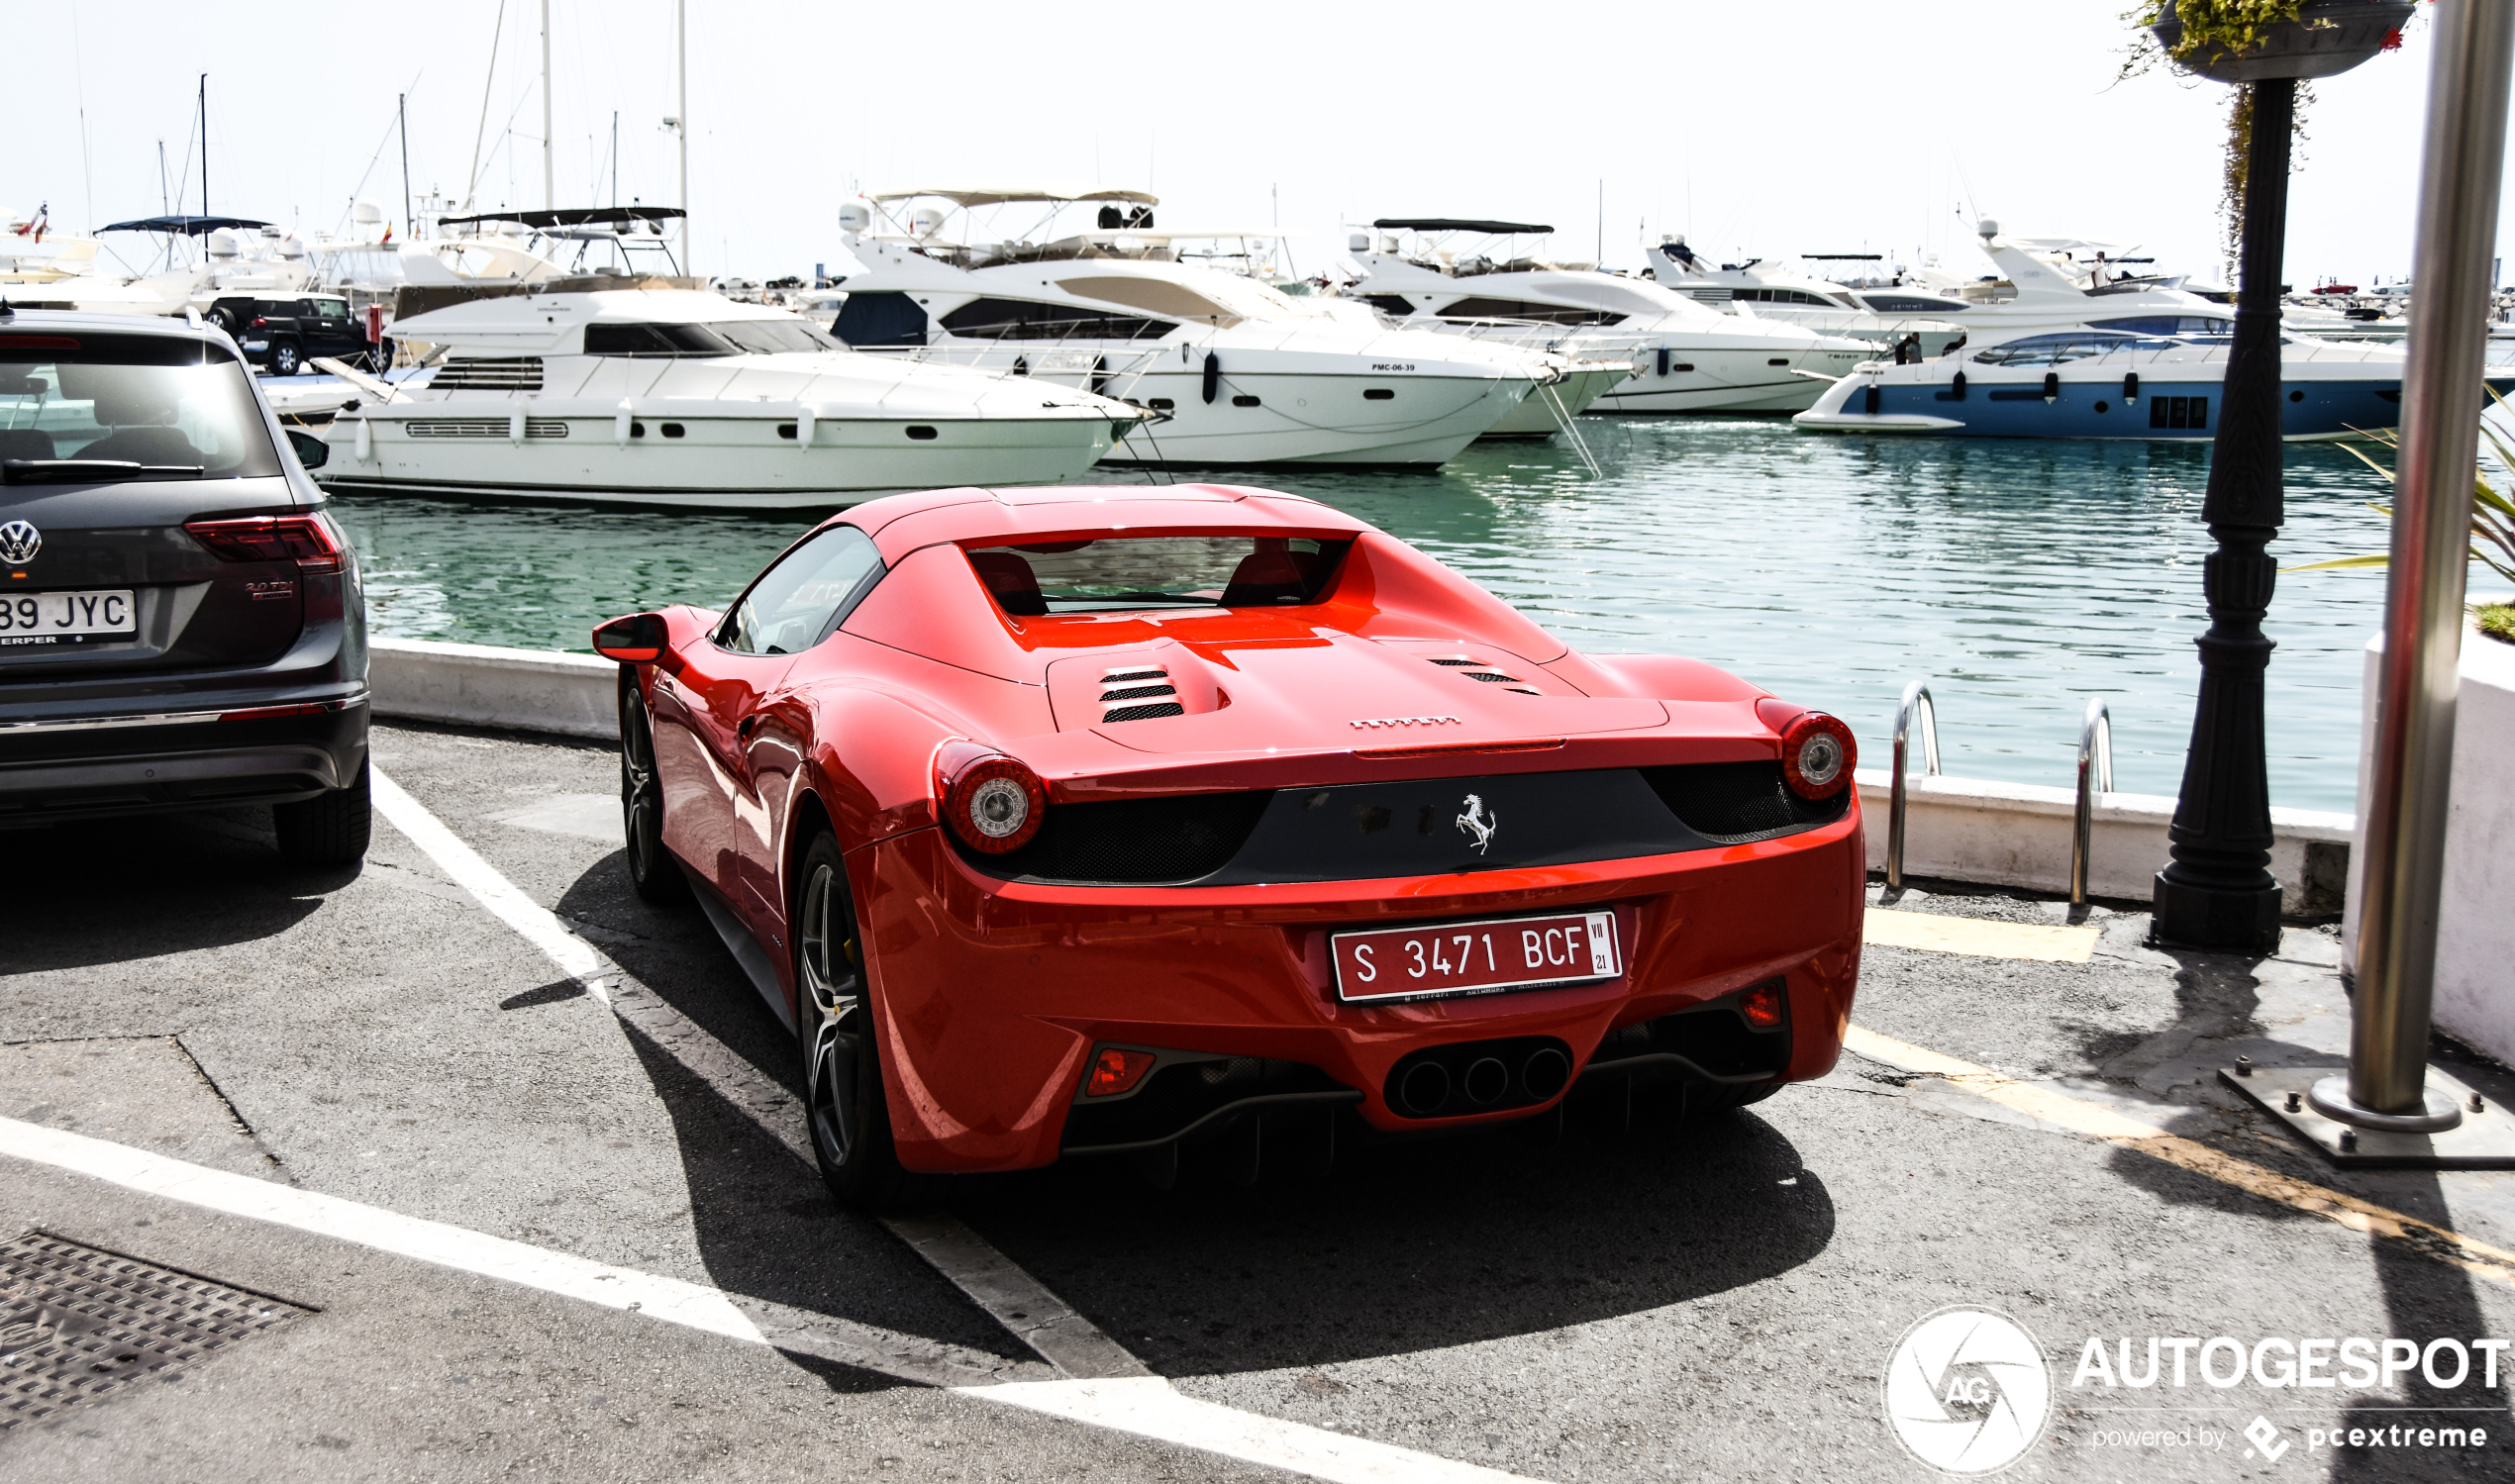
29, 620
1473, 958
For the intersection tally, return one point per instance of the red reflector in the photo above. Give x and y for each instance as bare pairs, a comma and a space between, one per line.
260, 323
262, 713
1114, 1072
1761, 1006
307, 540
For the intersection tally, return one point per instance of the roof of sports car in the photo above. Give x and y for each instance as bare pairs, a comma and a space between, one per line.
901, 523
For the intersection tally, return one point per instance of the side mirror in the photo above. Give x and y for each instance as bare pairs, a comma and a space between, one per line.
311, 451
639, 639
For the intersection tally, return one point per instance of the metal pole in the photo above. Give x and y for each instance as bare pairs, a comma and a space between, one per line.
2404, 838
205, 151
2095, 776
2218, 891
1916, 700
681, 112
549, 179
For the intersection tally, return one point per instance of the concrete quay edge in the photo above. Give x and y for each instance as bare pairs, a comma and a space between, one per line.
1970, 829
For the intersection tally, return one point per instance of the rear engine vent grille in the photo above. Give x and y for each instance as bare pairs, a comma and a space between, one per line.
519, 373
1146, 712
1137, 685
1134, 841
1478, 669
1737, 803
482, 428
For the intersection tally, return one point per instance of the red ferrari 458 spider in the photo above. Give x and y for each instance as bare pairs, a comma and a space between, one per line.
1065, 822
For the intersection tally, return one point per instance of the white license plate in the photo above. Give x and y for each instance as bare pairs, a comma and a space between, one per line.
31, 620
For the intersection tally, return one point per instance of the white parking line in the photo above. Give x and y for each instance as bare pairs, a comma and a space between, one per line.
692, 1306
1108, 1387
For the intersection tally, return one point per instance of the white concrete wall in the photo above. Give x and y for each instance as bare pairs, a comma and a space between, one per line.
2475, 932
478, 685
1960, 829
2019, 835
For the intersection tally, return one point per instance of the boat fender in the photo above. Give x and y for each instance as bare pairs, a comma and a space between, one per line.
1870, 403
515, 426
1663, 360
363, 448
620, 420
1956, 387
807, 422
1020, 365
2131, 386
1213, 376
2051, 387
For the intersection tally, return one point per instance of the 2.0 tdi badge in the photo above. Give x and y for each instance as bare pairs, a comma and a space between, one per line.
18, 542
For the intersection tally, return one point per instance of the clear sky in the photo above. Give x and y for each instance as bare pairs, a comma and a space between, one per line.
1755, 129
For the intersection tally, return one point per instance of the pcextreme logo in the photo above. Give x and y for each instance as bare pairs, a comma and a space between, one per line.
1967, 1391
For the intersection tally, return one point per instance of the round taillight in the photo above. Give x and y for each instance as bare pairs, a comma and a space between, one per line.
1816, 756
994, 803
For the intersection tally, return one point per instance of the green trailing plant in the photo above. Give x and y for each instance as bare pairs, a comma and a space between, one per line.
2497, 621
2232, 26
2493, 522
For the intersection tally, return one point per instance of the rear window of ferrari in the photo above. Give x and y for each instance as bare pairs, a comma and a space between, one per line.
1158, 571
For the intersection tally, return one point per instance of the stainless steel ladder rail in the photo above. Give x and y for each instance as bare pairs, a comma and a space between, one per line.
2095, 776
1916, 700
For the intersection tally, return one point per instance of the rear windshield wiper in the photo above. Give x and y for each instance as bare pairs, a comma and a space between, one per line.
82, 471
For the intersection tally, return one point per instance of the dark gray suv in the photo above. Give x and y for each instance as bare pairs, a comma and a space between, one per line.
180, 622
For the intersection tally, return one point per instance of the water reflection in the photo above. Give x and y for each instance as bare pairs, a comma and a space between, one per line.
2022, 577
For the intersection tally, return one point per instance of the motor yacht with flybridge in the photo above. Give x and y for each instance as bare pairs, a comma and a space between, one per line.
1469, 278
1886, 314
576, 391
1236, 372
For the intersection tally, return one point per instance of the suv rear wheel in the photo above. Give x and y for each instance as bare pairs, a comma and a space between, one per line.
285, 358
331, 828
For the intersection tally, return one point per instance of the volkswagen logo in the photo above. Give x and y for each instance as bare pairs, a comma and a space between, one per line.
18, 542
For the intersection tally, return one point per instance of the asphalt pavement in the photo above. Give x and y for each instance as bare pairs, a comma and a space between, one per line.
1634, 1296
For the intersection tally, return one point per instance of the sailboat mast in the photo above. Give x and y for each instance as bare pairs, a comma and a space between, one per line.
205, 144
402, 110
550, 185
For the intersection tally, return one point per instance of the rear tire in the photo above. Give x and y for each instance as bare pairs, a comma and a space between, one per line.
331, 828
845, 1112
653, 873
285, 358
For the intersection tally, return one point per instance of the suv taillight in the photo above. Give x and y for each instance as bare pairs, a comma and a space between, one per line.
259, 322
310, 541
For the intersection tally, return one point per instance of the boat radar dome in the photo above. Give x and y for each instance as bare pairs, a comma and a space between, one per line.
1360, 242
854, 216
367, 212
1988, 227
925, 221
223, 244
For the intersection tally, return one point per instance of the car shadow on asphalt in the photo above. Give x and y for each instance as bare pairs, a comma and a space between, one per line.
1413, 1247
113, 890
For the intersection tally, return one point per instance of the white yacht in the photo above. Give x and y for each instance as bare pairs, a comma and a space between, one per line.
1773, 291
579, 392
1680, 356
1236, 372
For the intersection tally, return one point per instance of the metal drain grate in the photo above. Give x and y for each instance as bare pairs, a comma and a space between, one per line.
76, 1322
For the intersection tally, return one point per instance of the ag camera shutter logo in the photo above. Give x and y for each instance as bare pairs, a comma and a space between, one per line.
1968, 1390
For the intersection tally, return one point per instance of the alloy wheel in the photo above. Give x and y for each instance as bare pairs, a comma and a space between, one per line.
640, 798
831, 1004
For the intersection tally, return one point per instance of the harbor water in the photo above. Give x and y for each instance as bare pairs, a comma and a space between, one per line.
2020, 577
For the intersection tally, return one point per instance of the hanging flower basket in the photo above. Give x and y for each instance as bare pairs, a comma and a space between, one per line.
2327, 36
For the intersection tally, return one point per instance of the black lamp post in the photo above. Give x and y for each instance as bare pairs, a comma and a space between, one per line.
2217, 892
